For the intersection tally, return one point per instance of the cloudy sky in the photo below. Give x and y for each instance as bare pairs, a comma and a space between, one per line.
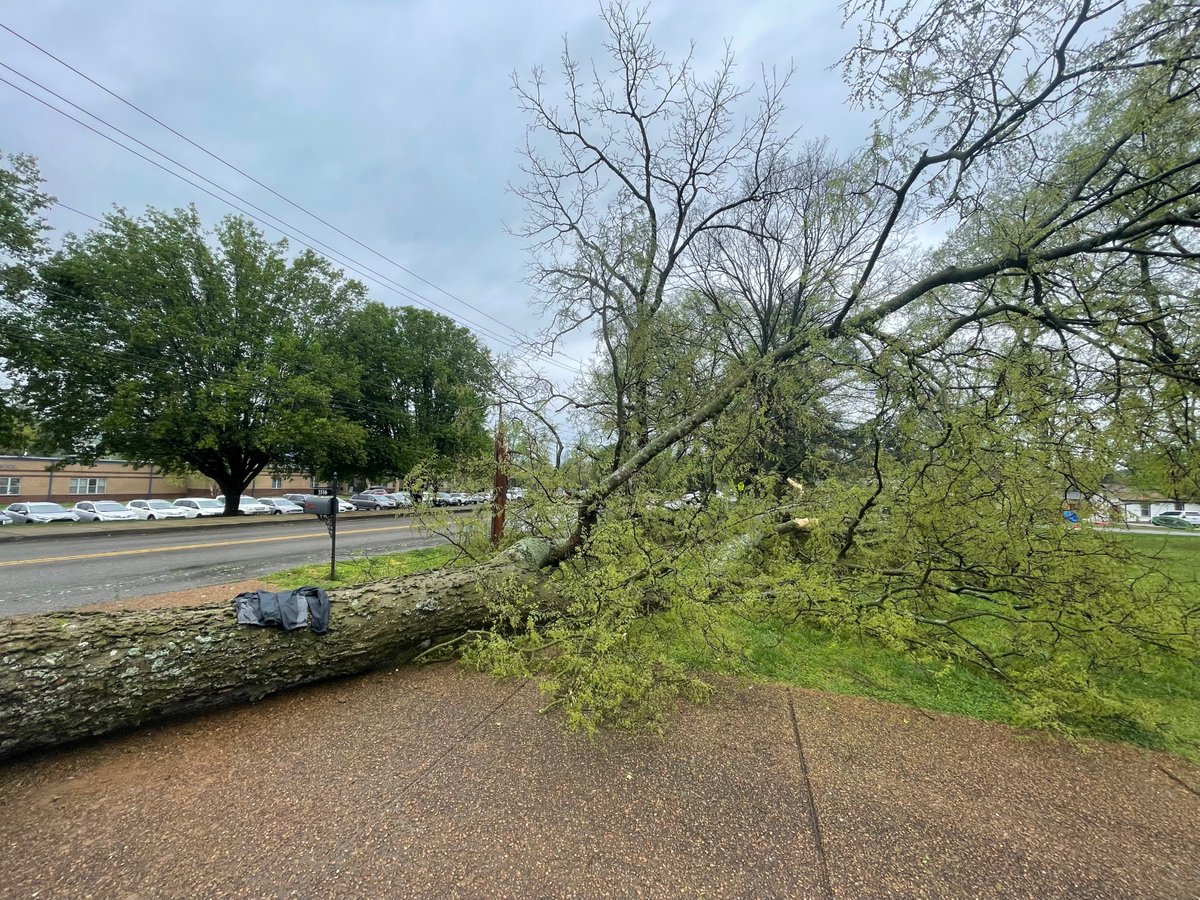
393, 120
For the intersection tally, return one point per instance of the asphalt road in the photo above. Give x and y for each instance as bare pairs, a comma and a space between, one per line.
68, 571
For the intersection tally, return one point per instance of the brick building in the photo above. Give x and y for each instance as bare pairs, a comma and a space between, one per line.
27, 478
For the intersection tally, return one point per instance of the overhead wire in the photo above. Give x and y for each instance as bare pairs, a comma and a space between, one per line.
404, 291
334, 255
78, 212
265, 186
46, 198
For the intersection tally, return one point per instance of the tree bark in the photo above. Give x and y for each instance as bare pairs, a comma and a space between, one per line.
68, 676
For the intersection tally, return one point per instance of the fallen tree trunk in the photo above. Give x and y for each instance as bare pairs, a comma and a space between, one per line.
67, 676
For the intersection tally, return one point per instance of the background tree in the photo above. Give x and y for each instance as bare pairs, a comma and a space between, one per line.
22, 246
151, 339
617, 192
422, 389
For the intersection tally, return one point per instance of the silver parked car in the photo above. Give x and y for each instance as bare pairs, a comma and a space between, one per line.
155, 509
40, 513
103, 511
247, 506
199, 507
372, 501
280, 505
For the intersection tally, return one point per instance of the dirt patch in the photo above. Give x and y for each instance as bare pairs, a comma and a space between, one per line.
202, 596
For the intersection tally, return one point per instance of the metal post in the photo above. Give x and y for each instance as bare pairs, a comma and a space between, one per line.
333, 534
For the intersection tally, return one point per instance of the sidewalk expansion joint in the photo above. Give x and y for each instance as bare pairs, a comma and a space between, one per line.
813, 819
1179, 781
474, 729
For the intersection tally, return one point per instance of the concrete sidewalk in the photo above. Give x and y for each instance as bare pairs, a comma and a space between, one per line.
434, 782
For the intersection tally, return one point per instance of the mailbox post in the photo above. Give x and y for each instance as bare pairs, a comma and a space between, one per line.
324, 505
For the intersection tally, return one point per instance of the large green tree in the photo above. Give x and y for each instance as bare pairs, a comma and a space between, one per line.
22, 246
207, 351
422, 389
1052, 147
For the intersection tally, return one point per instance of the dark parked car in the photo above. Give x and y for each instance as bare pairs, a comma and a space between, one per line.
372, 501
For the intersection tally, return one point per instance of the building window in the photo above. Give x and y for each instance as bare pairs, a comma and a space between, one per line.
1144, 509
10, 486
88, 485
276, 482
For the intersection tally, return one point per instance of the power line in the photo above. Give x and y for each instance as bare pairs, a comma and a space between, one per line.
335, 255
78, 212
55, 201
261, 184
404, 291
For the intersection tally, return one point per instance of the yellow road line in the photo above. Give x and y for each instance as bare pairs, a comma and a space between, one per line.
266, 540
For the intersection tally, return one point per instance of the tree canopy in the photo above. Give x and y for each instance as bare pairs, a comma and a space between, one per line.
151, 339
423, 387
22, 245
944, 333
216, 352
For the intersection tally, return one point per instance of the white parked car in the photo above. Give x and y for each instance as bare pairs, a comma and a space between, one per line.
198, 507
280, 505
155, 509
103, 511
248, 506
40, 513
345, 505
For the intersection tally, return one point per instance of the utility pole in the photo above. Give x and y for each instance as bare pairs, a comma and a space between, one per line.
500, 481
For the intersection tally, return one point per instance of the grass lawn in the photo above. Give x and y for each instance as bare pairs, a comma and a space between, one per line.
809, 657
720, 641
361, 570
